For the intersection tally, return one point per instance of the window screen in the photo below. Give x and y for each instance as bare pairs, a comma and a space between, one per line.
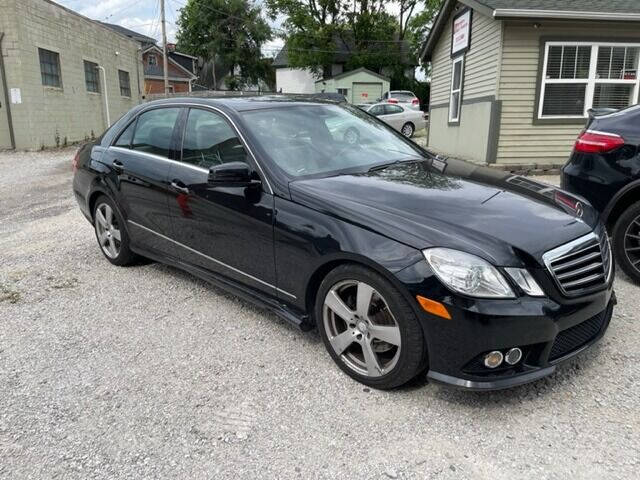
125, 85
50, 68
91, 77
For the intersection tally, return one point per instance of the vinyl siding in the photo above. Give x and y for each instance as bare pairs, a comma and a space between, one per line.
522, 141
481, 65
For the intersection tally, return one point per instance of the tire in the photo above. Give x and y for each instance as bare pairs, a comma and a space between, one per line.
408, 130
388, 315
626, 241
112, 236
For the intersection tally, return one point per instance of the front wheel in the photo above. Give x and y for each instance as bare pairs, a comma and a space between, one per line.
368, 328
407, 130
626, 241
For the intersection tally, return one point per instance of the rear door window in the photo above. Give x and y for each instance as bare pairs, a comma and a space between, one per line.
377, 110
124, 140
154, 131
391, 109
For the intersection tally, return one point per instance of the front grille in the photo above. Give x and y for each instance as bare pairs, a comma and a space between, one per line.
575, 337
581, 266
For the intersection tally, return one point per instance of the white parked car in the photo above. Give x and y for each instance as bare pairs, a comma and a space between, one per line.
404, 98
406, 120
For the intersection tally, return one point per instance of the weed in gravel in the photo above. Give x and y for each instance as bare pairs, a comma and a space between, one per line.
9, 295
61, 283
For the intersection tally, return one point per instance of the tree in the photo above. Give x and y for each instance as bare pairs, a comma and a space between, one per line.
359, 32
228, 35
419, 26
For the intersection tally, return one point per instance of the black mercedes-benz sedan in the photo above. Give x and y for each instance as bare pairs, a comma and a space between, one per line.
604, 168
406, 262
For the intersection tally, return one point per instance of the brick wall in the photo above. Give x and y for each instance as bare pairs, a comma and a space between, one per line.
48, 115
157, 86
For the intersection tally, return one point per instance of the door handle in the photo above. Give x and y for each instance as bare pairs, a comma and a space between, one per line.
178, 186
118, 166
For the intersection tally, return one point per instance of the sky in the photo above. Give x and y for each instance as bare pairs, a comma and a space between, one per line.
143, 16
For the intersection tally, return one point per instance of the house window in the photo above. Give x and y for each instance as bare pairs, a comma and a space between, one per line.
342, 91
578, 76
153, 60
91, 78
50, 68
125, 85
455, 99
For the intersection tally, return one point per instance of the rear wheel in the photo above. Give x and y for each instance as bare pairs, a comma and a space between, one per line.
407, 130
368, 328
111, 234
626, 241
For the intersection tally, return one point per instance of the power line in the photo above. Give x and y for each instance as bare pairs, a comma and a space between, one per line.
284, 32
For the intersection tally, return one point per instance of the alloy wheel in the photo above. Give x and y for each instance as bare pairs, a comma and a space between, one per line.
407, 130
632, 243
361, 328
108, 231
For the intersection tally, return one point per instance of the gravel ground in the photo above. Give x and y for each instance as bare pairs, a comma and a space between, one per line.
147, 372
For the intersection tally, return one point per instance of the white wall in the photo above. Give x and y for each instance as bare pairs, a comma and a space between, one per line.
295, 80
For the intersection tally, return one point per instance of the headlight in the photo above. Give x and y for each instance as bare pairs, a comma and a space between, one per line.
467, 274
525, 281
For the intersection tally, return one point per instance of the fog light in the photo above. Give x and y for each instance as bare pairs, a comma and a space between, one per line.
493, 359
513, 356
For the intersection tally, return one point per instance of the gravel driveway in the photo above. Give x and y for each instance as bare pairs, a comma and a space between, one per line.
147, 372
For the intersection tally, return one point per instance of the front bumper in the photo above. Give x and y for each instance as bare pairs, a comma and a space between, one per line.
547, 330
546, 342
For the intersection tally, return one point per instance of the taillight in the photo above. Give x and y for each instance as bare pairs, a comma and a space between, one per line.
415, 101
75, 161
591, 141
392, 100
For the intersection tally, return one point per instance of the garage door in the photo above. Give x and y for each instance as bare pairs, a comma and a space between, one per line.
366, 92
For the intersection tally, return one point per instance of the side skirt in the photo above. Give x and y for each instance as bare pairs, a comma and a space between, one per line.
301, 321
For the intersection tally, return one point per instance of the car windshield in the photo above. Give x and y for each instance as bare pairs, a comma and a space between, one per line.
326, 139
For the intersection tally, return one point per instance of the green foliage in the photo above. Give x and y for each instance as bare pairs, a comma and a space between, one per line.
419, 25
318, 32
229, 32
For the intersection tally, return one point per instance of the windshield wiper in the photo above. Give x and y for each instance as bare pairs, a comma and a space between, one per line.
382, 166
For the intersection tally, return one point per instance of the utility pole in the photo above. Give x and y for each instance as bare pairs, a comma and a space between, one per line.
164, 49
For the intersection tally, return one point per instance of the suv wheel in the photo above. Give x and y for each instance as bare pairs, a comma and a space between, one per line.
368, 327
111, 234
626, 241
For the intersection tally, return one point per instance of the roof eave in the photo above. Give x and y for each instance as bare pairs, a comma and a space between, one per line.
501, 13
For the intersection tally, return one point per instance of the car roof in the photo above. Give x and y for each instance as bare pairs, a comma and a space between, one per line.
246, 103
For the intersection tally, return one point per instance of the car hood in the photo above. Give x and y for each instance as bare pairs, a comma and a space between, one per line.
455, 204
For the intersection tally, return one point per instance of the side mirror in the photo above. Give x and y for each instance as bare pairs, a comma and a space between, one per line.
232, 174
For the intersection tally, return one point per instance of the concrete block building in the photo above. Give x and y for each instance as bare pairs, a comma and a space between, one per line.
57, 71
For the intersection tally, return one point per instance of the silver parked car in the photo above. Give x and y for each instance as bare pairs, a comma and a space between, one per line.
404, 98
406, 120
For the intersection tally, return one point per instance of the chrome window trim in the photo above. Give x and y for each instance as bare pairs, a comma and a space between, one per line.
158, 157
255, 279
204, 106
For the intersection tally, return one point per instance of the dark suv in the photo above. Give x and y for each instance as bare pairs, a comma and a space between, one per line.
604, 168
